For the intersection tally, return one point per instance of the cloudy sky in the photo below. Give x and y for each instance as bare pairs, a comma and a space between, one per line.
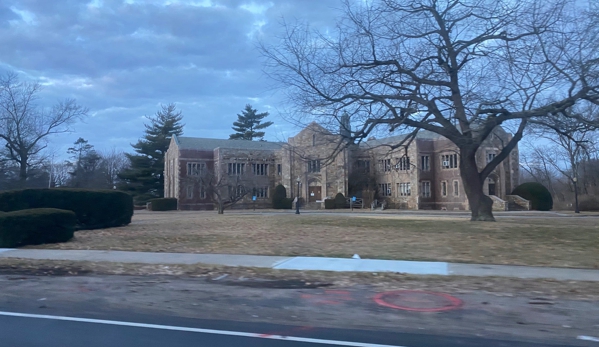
123, 58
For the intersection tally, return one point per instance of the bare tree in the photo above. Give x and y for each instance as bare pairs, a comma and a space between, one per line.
563, 147
24, 126
59, 174
459, 69
223, 190
112, 163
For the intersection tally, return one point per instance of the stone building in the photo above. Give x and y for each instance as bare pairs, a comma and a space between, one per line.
425, 175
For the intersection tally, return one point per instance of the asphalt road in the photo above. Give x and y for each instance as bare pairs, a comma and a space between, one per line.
144, 331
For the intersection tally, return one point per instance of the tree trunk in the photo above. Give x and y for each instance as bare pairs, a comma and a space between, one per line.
221, 208
22, 172
481, 206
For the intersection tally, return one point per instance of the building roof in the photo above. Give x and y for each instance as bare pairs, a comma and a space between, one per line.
392, 140
207, 144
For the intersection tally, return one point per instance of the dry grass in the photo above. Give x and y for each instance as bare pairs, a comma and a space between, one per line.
560, 242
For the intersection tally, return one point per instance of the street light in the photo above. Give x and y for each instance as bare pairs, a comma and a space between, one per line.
297, 203
576, 210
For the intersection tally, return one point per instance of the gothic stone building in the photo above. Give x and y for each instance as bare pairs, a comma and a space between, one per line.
424, 175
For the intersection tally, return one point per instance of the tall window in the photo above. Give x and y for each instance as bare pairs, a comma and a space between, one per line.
403, 163
189, 192
236, 168
279, 170
261, 193
195, 169
490, 157
314, 166
385, 189
444, 188
202, 192
456, 188
236, 191
363, 166
425, 190
385, 165
425, 163
449, 161
260, 169
404, 189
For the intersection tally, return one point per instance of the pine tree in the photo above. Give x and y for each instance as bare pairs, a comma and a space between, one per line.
248, 123
84, 164
145, 177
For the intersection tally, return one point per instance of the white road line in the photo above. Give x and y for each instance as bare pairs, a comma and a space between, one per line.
196, 330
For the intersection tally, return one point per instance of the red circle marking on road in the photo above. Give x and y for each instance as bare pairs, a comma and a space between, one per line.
453, 302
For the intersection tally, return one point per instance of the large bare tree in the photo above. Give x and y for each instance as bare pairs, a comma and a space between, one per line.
25, 126
458, 68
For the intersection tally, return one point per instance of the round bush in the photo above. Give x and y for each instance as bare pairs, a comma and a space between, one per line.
279, 198
539, 196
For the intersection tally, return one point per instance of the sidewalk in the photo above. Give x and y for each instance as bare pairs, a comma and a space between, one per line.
309, 263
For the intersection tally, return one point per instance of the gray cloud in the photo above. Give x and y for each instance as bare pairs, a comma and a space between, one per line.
122, 59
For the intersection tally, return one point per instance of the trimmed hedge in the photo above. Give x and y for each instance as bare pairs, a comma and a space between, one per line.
540, 198
163, 204
339, 200
287, 204
36, 226
94, 208
329, 204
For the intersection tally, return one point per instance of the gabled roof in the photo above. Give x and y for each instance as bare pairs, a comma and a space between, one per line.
208, 144
393, 140
313, 127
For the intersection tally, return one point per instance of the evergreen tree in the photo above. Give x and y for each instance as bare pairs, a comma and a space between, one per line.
84, 164
145, 176
248, 124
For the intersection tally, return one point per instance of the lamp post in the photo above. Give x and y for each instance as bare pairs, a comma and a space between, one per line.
297, 202
575, 180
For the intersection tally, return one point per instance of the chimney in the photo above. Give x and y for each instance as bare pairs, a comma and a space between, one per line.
345, 126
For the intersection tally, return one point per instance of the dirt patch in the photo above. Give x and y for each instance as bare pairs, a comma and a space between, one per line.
551, 289
558, 242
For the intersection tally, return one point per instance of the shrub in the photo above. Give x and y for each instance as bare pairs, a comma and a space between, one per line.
287, 204
339, 200
36, 226
539, 196
279, 198
94, 208
163, 204
329, 204
589, 203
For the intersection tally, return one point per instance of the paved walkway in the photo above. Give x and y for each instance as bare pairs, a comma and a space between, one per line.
309, 263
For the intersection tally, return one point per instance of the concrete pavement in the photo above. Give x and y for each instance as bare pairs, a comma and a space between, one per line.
309, 263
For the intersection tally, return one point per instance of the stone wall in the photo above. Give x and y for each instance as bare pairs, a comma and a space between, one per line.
516, 202
315, 145
499, 204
